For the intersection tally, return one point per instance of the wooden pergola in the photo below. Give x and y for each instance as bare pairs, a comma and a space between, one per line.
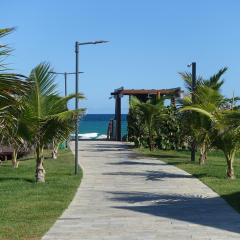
142, 94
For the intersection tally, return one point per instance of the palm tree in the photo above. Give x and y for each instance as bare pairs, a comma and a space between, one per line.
207, 92
12, 137
225, 131
215, 82
11, 84
47, 115
151, 111
136, 128
58, 130
12, 89
200, 124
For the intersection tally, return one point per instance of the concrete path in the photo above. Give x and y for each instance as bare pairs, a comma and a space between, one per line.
124, 196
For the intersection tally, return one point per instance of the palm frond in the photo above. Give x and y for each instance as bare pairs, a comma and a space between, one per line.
66, 115
187, 78
215, 81
59, 104
198, 110
4, 49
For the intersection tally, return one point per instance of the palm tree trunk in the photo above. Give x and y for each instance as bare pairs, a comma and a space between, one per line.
150, 141
203, 154
150, 136
54, 153
138, 142
55, 150
40, 171
14, 158
230, 170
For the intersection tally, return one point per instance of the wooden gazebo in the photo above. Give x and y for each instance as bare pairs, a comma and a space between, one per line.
142, 94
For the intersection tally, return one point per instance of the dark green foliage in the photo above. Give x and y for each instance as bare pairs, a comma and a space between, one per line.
136, 128
169, 131
151, 124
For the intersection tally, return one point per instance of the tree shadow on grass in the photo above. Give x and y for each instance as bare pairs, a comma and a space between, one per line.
233, 199
175, 163
30, 180
195, 209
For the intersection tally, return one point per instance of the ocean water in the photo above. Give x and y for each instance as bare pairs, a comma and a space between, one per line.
96, 125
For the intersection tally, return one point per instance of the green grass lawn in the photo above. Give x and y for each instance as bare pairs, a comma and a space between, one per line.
213, 173
28, 209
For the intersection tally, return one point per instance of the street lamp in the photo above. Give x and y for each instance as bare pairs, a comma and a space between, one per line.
77, 44
65, 78
194, 77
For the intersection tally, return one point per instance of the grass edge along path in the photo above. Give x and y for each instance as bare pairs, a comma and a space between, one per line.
213, 173
29, 209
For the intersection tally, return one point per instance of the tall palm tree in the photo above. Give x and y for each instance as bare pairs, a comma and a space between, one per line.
46, 113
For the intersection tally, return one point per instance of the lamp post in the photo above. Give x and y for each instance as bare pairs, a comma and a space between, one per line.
194, 77
77, 44
65, 79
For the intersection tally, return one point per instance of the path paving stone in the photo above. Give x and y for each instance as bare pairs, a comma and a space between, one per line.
127, 196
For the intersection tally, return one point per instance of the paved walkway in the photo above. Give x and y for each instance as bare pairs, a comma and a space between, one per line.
129, 197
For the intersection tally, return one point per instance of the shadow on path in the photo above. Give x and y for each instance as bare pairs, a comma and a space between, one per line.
136, 163
180, 207
153, 175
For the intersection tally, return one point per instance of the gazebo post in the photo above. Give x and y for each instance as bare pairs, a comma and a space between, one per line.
118, 117
173, 101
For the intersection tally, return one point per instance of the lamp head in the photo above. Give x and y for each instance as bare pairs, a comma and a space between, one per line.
88, 43
100, 41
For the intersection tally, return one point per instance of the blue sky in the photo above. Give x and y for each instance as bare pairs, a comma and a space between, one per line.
150, 42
